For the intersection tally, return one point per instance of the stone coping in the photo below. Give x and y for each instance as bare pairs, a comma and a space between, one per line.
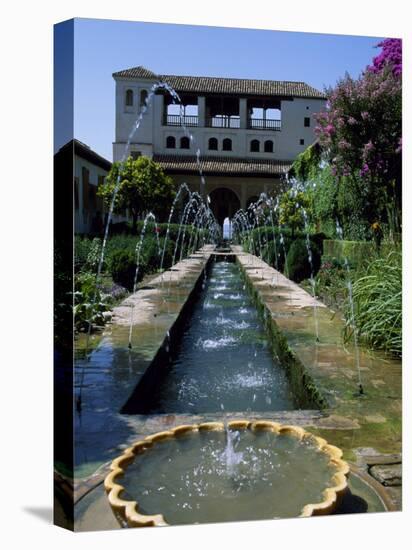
127, 512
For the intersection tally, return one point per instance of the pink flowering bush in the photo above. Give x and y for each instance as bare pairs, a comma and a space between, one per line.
390, 56
360, 132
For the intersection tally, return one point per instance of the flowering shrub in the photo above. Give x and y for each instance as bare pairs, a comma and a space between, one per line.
390, 56
361, 129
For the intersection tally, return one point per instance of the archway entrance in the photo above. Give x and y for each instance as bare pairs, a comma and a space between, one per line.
224, 203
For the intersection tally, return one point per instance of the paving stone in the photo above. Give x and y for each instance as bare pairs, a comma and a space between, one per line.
367, 451
336, 422
375, 418
395, 494
371, 456
389, 475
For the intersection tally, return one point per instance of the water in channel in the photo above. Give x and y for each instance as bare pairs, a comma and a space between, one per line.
224, 361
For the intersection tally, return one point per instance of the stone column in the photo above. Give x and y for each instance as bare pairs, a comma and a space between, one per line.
243, 112
243, 195
162, 110
201, 111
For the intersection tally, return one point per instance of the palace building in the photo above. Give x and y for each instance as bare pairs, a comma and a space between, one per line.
248, 132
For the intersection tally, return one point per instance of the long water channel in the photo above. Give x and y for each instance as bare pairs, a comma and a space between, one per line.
223, 361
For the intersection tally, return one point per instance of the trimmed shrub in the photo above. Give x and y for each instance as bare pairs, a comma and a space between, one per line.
274, 254
354, 251
270, 240
121, 249
151, 253
298, 266
123, 268
168, 256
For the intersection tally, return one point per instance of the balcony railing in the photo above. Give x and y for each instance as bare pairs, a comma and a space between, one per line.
264, 124
177, 120
223, 122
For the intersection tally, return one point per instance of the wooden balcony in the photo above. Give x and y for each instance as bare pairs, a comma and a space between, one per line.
223, 122
264, 124
177, 120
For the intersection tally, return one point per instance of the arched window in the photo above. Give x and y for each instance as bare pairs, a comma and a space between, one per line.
212, 146
143, 97
170, 142
227, 144
255, 146
268, 146
184, 143
129, 98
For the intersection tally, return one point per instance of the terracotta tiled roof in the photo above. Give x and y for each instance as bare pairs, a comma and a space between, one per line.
84, 151
137, 72
223, 165
241, 86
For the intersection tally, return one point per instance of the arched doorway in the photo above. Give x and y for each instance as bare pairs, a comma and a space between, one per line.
224, 203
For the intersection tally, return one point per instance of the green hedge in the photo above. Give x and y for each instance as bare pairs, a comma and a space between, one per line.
298, 266
121, 248
123, 268
125, 228
354, 251
267, 242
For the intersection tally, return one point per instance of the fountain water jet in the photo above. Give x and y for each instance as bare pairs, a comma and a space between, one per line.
312, 277
230, 457
339, 232
138, 252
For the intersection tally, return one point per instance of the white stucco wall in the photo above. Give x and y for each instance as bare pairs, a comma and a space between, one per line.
293, 129
82, 217
151, 136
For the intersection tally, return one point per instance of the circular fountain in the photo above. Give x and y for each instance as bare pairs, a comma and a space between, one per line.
210, 472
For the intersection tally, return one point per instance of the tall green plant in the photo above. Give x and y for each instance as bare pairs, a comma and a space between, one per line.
89, 302
377, 297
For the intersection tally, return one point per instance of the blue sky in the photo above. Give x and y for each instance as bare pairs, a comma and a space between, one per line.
103, 47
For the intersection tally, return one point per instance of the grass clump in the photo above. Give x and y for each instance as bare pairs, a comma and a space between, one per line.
377, 298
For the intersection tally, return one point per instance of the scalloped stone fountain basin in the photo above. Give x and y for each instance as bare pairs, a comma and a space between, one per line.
209, 473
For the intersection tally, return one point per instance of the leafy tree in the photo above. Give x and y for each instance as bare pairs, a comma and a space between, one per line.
291, 206
143, 188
